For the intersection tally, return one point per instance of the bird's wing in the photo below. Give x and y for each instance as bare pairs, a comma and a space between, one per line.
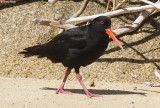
59, 47
73, 38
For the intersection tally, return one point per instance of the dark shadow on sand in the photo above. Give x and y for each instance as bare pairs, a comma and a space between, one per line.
98, 91
149, 91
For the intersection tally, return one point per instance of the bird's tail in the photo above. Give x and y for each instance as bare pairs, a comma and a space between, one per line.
34, 50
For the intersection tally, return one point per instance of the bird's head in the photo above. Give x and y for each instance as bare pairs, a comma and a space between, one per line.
103, 24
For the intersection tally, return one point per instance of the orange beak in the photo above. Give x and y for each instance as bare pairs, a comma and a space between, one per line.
110, 33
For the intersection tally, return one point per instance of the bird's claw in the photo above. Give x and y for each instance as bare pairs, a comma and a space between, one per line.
93, 95
63, 91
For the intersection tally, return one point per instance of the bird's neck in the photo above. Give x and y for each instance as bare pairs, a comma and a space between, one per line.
97, 35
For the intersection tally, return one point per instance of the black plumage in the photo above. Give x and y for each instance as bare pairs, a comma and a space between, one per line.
76, 47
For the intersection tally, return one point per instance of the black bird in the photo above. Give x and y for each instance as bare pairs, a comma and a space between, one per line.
76, 47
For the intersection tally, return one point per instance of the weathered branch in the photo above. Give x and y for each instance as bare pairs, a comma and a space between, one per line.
114, 4
85, 18
120, 4
64, 26
157, 5
52, 1
117, 32
81, 10
113, 13
144, 82
157, 74
135, 24
47, 22
108, 5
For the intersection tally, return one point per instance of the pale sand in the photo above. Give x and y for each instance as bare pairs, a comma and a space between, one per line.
141, 53
38, 93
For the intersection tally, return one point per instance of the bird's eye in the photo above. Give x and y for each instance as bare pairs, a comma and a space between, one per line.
102, 22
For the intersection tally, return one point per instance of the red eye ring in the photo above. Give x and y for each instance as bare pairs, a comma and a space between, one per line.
101, 22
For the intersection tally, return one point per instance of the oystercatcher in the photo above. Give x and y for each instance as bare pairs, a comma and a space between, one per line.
76, 47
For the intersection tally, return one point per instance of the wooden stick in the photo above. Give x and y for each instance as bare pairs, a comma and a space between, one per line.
117, 32
85, 18
47, 22
157, 5
52, 1
120, 4
81, 10
136, 77
157, 74
64, 26
114, 4
108, 5
135, 24
144, 82
113, 13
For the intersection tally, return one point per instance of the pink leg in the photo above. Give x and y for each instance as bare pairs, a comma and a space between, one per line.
79, 78
61, 88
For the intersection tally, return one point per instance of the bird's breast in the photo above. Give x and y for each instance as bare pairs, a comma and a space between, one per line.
90, 53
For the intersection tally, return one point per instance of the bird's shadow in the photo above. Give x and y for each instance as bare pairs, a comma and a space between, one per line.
100, 92
149, 91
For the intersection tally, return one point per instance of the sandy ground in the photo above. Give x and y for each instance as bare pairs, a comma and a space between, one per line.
140, 54
38, 93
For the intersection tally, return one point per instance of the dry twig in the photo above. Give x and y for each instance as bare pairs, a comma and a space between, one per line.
81, 10
120, 4
147, 83
52, 1
157, 74
114, 4
108, 5
57, 24
78, 13
135, 24
157, 5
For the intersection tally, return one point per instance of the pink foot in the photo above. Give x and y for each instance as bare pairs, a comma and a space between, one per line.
84, 87
63, 91
61, 88
92, 95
